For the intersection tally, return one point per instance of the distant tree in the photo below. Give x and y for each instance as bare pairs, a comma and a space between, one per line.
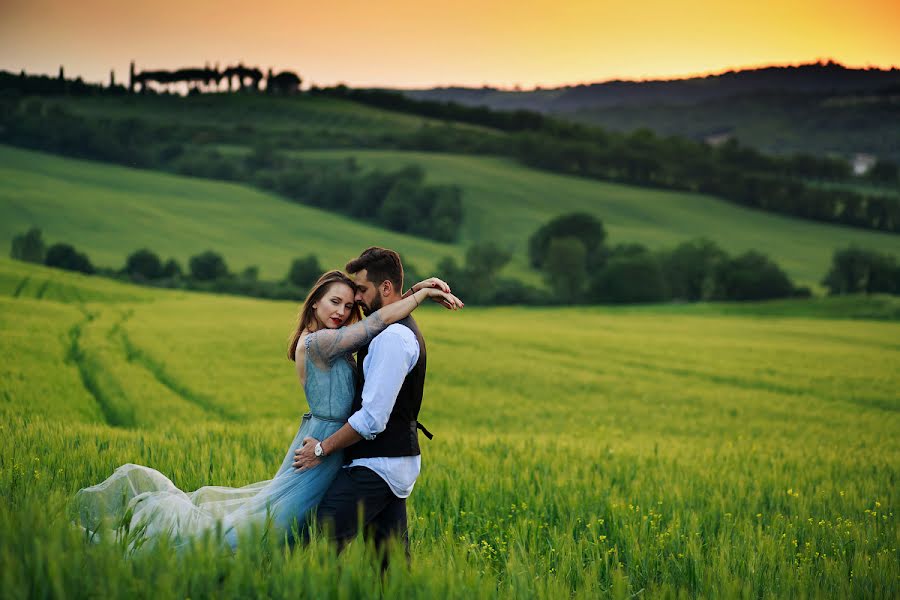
264, 156
304, 271
171, 269
169, 152
484, 261
144, 264
285, 82
250, 273
400, 207
625, 251
581, 226
564, 268
477, 280
65, 256
411, 273
690, 269
446, 214
29, 246
885, 172
629, 278
858, 270
752, 276
208, 266
454, 275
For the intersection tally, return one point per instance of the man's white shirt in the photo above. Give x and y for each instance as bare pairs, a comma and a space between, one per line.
392, 355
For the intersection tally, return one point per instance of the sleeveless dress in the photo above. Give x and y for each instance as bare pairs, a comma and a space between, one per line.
149, 505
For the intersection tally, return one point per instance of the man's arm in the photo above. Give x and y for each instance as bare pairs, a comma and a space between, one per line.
391, 356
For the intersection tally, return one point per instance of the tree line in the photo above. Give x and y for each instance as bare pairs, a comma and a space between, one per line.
579, 267
570, 252
206, 271
197, 79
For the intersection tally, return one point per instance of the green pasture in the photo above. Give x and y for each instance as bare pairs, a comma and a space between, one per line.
660, 452
109, 211
507, 202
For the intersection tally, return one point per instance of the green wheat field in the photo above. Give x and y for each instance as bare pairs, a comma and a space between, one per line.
746, 451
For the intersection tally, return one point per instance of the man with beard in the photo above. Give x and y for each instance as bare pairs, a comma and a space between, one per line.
380, 439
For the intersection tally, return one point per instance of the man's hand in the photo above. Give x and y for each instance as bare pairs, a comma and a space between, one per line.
305, 456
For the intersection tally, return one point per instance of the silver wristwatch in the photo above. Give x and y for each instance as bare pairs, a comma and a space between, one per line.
319, 450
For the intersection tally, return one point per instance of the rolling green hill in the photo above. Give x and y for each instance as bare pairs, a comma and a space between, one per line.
506, 202
110, 211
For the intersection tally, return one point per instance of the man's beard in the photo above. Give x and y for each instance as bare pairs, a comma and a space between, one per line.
376, 304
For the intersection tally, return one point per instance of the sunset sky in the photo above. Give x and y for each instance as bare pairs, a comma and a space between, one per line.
422, 43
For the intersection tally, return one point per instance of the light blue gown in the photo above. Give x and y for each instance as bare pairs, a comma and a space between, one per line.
152, 505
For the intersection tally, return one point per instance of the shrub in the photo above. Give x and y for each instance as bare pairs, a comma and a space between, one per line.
172, 269
752, 276
690, 269
632, 278
857, 270
65, 256
208, 266
29, 246
144, 264
564, 269
304, 271
581, 226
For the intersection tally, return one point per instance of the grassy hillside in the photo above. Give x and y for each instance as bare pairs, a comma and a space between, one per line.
506, 202
674, 453
110, 211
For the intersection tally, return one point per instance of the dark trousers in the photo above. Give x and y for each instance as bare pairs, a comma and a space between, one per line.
359, 495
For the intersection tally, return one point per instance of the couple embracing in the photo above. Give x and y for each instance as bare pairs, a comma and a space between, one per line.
357, 449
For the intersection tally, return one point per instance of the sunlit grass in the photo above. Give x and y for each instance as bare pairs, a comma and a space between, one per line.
577, 452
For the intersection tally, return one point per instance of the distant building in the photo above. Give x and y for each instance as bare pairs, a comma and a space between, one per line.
862, 163
718, 138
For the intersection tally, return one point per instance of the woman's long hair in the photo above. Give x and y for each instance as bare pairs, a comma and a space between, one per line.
307, 316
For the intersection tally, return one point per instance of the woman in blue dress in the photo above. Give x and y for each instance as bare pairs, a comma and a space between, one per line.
329, 331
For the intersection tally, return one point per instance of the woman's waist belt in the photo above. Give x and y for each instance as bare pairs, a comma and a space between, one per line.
310, 415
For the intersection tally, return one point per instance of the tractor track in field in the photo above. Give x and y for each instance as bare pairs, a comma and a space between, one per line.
21, 286
76, 354
136, 356
42, 290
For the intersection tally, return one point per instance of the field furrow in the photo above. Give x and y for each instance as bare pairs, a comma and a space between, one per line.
21, 286
39, 377
157, 370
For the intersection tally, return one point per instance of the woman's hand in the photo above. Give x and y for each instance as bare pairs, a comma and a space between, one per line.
446, 299
431, 282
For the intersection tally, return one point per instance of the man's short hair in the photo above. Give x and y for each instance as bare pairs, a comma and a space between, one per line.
381, 265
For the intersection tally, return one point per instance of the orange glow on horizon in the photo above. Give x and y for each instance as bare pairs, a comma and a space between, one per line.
406, 43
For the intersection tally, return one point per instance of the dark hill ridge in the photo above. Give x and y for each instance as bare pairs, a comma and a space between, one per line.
816, 78
823, 109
